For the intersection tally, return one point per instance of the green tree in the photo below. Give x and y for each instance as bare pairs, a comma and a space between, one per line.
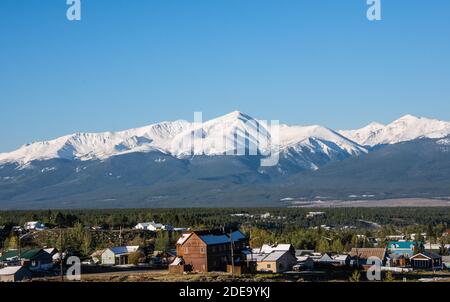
134, 258
337, 246
163, 241
86, 245
323, 246
11, 243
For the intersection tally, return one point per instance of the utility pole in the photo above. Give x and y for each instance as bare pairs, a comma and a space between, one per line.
61, 255
120, 236
232, 253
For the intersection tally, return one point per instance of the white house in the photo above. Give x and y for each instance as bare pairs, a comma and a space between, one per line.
14, 274
118, 255
268, 248
34, 226
152, 226
314, 214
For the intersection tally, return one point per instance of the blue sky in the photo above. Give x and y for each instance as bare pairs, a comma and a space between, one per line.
130, 63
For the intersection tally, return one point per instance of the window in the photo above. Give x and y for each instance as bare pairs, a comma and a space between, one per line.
202, 250
268, 265
186, 250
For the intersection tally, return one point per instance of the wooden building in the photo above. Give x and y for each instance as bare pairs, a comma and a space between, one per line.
360, 256
206, 251
426, 260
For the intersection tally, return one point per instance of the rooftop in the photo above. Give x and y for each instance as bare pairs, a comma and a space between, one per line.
9, 270
365, 253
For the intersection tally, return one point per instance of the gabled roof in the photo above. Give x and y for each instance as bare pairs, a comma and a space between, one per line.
10, 270
267, 248
326, 257
426, 254
51, 250
119, 250
183, 238
177, 261
262, 257
365, 253
340, 257
212, 238
303, 258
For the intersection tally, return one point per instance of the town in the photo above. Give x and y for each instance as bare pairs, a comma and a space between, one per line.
226, 244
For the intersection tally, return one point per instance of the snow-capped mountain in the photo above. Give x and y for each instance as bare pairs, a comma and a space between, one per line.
406, 128
85, 146
167, 164
234, 133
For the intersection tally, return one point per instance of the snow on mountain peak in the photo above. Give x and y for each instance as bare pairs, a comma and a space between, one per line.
406, 128
224, 135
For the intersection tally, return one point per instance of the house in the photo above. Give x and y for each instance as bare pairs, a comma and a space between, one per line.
437, 248
273, 257
405, 248
268, 248
53, 252
416, 237
396, 260
341, 260
177, 266
273, 261
326, 260
34, 226
149, 226
303, 263
360, 256
14, 274
299, 253
34, 259
97, 256
426, 260
396, 237
314, 214
446, 262
206, 251
153, 226
118, 255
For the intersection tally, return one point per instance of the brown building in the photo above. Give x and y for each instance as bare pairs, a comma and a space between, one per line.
206, 251
361, 255
426, 260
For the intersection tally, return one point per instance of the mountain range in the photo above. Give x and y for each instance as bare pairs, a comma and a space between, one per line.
179, 163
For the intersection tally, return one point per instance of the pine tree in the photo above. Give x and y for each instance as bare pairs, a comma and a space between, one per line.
323, 246
337, 246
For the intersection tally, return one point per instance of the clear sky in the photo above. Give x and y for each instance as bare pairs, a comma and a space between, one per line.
129, 63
